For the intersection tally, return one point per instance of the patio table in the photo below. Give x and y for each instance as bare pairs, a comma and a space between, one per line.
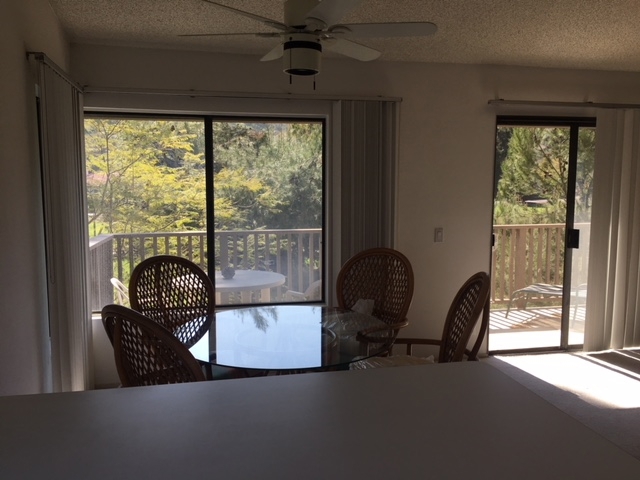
246, 282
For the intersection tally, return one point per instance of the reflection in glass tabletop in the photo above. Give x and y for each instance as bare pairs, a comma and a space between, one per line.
286, 337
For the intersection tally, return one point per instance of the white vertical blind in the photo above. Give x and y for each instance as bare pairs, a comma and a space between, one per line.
65, 217
368, 168
613, 302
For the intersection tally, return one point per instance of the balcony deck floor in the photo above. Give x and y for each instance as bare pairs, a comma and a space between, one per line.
532, 328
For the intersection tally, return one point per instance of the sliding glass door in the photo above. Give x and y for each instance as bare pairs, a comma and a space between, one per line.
232, 195
541, 223
267, 209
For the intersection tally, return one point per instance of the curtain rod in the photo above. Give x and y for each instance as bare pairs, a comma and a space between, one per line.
42, 57
201, 93
501, 101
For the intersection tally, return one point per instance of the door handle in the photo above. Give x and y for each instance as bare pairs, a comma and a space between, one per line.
573, 238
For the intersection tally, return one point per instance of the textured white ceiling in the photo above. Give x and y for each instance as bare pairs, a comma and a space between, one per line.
591, 34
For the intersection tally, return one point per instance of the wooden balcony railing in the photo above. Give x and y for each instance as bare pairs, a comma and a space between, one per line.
294, 253
533, 253
522, 255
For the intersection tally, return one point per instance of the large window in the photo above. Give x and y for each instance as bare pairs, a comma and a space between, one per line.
236, 196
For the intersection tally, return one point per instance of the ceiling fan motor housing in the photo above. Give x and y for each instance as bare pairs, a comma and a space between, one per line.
295, 12
302, 52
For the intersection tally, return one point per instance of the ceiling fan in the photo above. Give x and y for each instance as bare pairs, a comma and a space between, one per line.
311, 25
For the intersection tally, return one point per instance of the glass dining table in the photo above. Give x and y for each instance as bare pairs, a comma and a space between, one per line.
288, 338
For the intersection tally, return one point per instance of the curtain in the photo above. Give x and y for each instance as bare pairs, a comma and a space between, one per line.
65, 217
368, 162
613, 302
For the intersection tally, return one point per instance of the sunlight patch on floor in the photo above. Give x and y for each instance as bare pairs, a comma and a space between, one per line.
592, 382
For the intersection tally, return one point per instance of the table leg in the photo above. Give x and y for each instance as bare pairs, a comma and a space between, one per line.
265, 295
222, 298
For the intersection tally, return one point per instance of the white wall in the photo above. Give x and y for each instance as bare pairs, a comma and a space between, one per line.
25, 25
446, 144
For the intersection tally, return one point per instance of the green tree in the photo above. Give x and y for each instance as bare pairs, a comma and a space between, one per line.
536, 167
240, 200
149, 175
298, 154
281, 165
142, 176
584, 173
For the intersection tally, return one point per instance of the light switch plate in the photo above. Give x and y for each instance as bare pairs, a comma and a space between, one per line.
438, 235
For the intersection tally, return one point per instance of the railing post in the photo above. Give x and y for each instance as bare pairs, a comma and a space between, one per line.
223, 240
520, 264
101, 271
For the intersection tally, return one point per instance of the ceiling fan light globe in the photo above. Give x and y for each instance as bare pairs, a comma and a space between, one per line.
302, 55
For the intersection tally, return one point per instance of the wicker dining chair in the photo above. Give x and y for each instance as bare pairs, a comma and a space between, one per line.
145, 352
470, 301
176, 293
382, 279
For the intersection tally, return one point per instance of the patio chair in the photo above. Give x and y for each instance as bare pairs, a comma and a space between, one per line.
120, 291
545, 290
472, 298
380, 280
312, 293
579, 297
145, 352
536, 290
176, 293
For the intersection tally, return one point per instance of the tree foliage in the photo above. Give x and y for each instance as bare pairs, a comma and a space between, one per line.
149, 175
286, 160
535, 169
142, 176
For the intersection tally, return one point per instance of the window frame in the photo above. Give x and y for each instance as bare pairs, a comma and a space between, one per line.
207, 120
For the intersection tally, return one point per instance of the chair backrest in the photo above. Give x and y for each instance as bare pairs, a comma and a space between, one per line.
463, 316
145, 352
312, 293
176, 293
120, 291
383, 275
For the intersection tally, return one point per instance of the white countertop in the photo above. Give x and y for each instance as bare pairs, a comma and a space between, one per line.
451, 421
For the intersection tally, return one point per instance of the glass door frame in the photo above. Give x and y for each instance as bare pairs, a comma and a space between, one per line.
571, 234
209, 141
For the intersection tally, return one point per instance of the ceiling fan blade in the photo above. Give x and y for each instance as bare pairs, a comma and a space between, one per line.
400, 29
273, 54
253, 34
266, 21
331, 11
351, 49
